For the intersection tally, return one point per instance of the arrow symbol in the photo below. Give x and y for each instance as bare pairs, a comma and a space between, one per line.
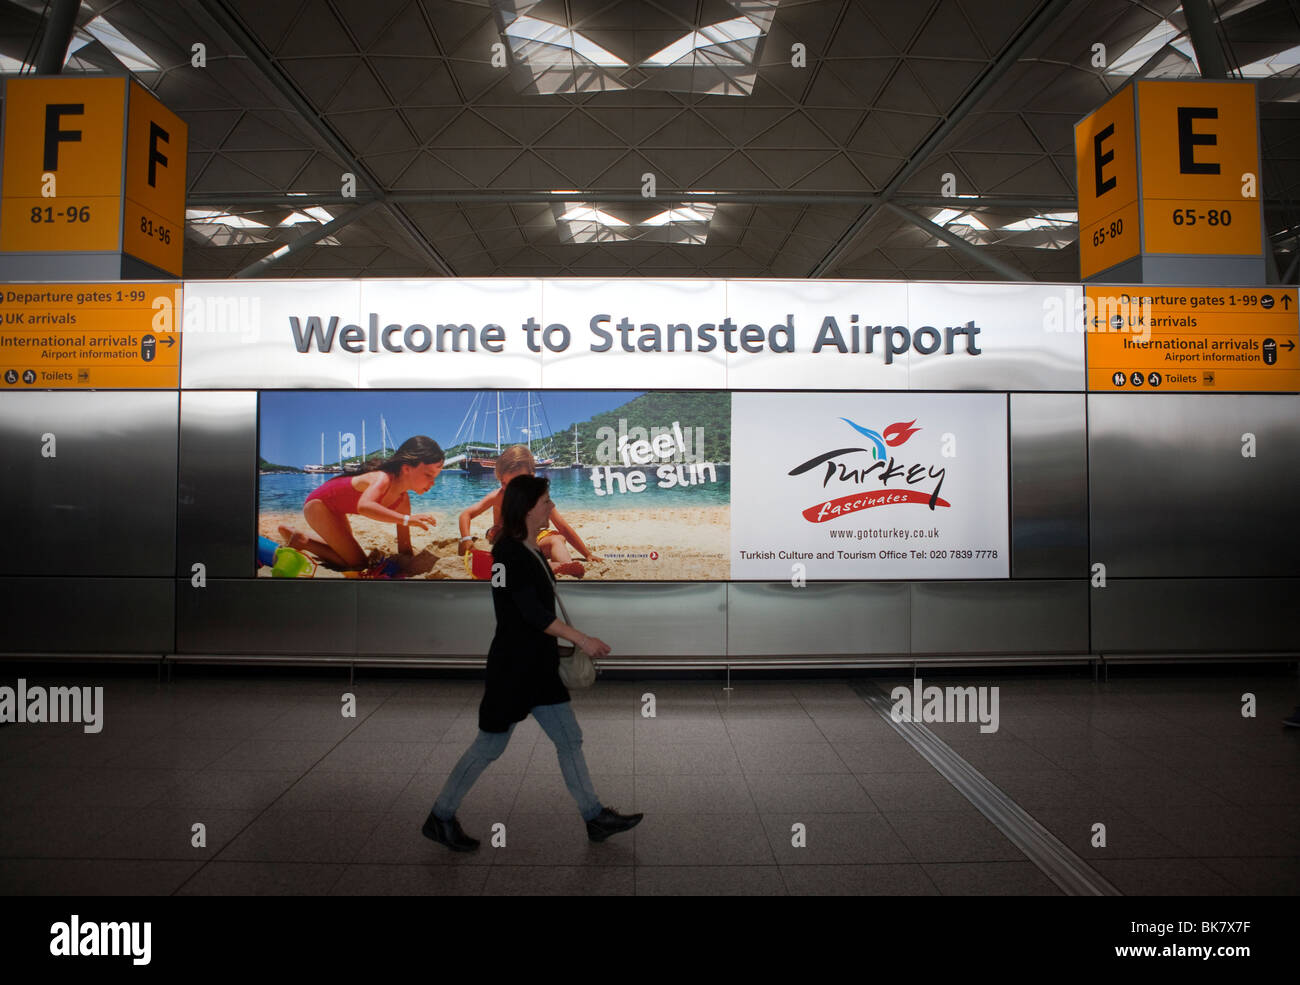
168, 339
1286, 301
1289, 345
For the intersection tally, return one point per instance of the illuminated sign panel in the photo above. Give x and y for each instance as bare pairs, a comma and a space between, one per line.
91, 166
1169, 169
1200, 339
119, 336
62, 184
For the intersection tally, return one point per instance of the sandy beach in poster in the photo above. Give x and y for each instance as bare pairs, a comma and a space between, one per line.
692, 543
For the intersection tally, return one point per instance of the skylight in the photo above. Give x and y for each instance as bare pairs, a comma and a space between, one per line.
587, 213
718, 59
1266, 68
116, 42
313, 214
550, 59
687, 213
1050, 220
98, 29
687, 225
540, 32
219, 228
217, 217
727, 32
1048, 231
1155, 39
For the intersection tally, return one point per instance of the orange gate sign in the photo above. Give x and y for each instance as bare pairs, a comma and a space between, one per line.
1229, 339
92, 165
89, 337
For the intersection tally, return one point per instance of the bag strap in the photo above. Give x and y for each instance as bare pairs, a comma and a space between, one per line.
555, 585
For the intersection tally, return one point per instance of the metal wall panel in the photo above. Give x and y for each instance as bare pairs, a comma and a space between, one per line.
106, 503
436, 619
649, 619
88, 615
1049, 485
217, 500
261, 616
1172, 496
1196, 615
415, 619
1000, 617
822, 618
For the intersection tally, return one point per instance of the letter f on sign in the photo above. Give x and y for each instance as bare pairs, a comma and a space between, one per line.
54, 136
155, 158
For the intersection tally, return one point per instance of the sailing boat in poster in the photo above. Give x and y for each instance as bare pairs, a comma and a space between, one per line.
497, 420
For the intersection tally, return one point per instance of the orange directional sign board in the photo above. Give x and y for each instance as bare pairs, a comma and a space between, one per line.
1200, 168
120, 336
1148, 338
1169, 169
1105, 154
62, 185
92, 165
154, 220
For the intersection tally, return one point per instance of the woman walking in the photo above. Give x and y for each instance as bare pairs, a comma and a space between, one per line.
523, 674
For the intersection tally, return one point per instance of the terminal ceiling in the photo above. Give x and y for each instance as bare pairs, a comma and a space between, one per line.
782, 138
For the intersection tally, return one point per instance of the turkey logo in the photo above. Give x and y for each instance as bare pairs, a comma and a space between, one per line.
842, 467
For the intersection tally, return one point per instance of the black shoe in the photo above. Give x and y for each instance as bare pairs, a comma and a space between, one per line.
1293, 719
448, 833
610, 822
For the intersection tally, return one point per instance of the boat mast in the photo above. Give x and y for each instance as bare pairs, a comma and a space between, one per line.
498, 422
322, 449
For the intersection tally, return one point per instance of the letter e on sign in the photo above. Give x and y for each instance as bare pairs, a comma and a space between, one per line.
1198, 139
156, 148
73, 124
1105, 157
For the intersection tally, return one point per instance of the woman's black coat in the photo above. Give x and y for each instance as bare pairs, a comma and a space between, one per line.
523, 662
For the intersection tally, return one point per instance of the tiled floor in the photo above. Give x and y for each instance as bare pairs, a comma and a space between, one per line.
771, 788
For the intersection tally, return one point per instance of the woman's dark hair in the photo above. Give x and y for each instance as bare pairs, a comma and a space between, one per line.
418, 450
521, 496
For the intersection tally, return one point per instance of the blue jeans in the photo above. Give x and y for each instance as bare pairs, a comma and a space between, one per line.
560, 725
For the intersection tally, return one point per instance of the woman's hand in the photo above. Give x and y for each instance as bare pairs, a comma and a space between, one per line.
594, 647
421, 520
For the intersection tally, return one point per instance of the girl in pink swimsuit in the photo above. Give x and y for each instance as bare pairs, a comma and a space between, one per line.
381, 493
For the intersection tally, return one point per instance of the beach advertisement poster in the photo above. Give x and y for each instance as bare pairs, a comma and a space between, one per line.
407, 484
863, 486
